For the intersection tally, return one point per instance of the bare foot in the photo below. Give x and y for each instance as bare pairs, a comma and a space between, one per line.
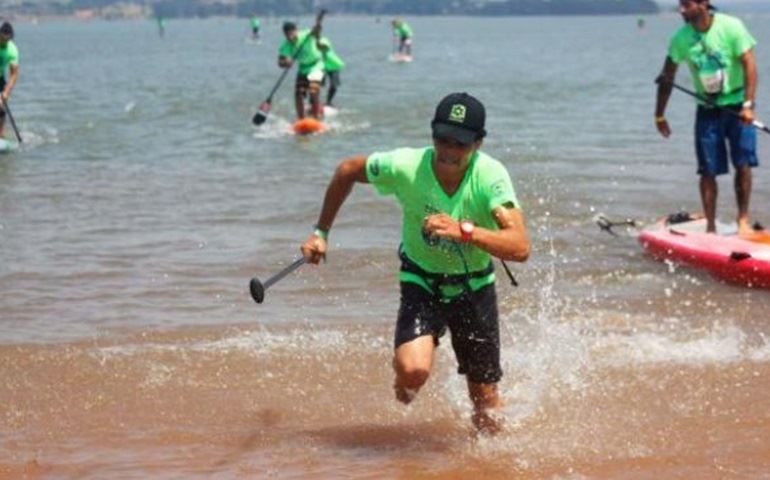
404, 395
487, 424
744, 227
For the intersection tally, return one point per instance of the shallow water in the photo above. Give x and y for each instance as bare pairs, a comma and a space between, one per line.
143, 201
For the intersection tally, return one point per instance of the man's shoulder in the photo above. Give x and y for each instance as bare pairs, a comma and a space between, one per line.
485, 160
729, 22
685, 32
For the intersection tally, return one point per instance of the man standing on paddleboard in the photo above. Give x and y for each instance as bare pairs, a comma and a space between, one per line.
9, 58
310, 71
720, 53
333, 65
403, 33
459, 209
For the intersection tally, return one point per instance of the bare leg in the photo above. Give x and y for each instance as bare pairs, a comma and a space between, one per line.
485, 397
708, 196
412, 362
315, 100
2, 124
299, 104
742, 195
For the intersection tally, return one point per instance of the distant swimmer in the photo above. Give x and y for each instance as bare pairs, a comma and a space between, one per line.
403, 34
310, 74
9, 59
459, 210
254, 22
719, 51
333, 65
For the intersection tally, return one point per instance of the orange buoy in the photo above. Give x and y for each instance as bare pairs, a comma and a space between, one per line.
308, 125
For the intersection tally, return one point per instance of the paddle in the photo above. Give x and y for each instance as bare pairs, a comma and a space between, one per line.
264, 109
756, 123
10, 117
258, 288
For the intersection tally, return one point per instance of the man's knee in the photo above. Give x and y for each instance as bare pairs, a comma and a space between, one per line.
411, 376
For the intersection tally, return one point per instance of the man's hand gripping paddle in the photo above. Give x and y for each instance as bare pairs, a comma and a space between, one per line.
759, 125
258, 288
264, 109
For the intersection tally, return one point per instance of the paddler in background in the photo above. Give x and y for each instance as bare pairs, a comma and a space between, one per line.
333, 65
9, 59
720, 53
459, 210
254, 23
161, 25
403, 34
310, 72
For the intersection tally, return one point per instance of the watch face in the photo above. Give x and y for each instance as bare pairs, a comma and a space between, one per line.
466, 227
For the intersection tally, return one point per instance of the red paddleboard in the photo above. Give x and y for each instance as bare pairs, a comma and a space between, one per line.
308, 125
731, 258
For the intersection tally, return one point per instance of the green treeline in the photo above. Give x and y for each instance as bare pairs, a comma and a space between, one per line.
206, 8
411, 7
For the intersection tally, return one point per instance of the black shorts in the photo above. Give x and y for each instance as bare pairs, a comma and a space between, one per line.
472, 321
302, 84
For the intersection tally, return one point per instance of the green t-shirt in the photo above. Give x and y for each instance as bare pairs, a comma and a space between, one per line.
403, 30
714, 57
408, 174
332, 61
309, 57
8, 56
254, 22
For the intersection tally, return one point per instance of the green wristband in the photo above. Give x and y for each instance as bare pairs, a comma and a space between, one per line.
321, 233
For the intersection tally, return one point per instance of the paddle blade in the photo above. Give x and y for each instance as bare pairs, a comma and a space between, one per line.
257, 290
261, 115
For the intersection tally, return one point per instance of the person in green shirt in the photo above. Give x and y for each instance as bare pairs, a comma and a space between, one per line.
9, 59
303, 47
161, 25
333, 65
719, 51
459, 210
403, 34
254, 22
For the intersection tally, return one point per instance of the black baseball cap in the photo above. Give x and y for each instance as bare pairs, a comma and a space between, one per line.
7, 29
459, 116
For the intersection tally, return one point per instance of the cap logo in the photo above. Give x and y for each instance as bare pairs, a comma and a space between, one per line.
457, 114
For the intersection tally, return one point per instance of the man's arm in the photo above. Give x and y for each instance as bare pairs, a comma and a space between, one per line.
13, 71
665, 83
510, 242
348, 173
750, 75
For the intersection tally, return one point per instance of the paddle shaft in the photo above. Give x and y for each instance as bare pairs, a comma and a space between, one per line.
278, 276
757, 124
10, 117
294, 57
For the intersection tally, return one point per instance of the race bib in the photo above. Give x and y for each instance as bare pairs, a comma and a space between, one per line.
713, 82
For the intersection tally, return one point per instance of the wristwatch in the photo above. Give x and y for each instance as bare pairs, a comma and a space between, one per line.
466, 231
749, 104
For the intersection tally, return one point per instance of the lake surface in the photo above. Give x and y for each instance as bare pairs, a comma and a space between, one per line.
143, 201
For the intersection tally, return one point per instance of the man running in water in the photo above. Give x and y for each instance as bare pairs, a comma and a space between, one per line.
459, 210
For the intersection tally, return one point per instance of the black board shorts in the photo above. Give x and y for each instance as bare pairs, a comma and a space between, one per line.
472, 321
